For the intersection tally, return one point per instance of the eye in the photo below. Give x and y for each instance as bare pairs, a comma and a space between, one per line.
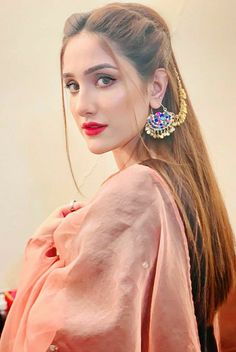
105, 81
72, 87
102, 81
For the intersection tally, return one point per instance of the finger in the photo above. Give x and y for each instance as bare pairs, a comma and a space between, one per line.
48, 226
66, 209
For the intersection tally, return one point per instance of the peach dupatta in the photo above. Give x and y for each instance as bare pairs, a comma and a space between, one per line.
121, 279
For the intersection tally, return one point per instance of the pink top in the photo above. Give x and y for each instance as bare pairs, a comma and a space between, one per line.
120, 281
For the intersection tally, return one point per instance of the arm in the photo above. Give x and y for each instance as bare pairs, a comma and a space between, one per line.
94, 301
40, 259
129, 280
40, 252
111, 267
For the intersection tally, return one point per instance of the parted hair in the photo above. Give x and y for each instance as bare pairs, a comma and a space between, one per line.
141, 35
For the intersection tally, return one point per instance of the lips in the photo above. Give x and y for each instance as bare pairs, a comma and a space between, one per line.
93, 131
92, 125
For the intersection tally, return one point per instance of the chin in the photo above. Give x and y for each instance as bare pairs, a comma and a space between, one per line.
99, 149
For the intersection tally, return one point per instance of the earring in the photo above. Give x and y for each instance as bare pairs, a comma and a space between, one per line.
162, 124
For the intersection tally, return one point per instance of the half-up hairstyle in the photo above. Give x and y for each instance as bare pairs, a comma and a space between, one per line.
141, 35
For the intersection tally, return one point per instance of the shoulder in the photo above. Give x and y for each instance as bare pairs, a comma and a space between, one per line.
126, 198
130, 186
137, 183
133, 179
136, 177
140, 185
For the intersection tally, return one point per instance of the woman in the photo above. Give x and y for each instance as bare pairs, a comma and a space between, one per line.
147, 262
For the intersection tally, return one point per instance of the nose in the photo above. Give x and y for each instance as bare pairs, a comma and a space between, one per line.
83, 104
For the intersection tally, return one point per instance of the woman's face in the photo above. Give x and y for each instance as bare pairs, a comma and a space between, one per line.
99, 94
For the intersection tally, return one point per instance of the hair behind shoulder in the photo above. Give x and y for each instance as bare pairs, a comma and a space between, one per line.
143, 37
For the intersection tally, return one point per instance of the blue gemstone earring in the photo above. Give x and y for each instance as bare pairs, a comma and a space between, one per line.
160, 124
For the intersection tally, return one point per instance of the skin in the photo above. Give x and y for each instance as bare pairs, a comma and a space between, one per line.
95, 97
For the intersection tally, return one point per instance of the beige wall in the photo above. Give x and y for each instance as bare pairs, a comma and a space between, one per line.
35, 175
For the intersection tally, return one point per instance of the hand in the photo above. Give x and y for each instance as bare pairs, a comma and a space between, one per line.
55, 218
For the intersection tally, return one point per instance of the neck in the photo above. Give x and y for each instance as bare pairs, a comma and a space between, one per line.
127, 155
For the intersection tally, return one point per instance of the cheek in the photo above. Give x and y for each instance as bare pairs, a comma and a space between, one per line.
118, 109
114, 99
129, 113
75, 115
71, 105
126, 119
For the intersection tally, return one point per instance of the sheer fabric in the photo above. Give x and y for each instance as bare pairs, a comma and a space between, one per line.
118, 281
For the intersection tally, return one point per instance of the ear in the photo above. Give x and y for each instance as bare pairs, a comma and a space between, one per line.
157, 88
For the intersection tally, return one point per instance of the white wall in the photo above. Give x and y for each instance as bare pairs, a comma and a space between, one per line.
35, 175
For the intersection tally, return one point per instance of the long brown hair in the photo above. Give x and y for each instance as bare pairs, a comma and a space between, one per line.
142, 36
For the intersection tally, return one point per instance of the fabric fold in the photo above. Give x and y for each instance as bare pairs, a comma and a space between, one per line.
121, 281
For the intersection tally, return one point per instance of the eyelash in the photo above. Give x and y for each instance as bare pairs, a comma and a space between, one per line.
71, 83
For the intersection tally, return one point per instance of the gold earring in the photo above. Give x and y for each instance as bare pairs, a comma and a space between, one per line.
162, 124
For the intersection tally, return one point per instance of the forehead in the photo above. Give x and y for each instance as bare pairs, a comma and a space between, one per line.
85, 50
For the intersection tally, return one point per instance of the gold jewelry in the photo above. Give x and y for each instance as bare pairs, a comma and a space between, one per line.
162, 124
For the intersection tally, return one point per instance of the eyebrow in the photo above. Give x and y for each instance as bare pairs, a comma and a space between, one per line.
91, 70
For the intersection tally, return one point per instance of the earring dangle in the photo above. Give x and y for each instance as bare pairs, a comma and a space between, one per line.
162, 124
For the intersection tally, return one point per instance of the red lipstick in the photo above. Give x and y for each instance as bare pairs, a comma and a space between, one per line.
93, 128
